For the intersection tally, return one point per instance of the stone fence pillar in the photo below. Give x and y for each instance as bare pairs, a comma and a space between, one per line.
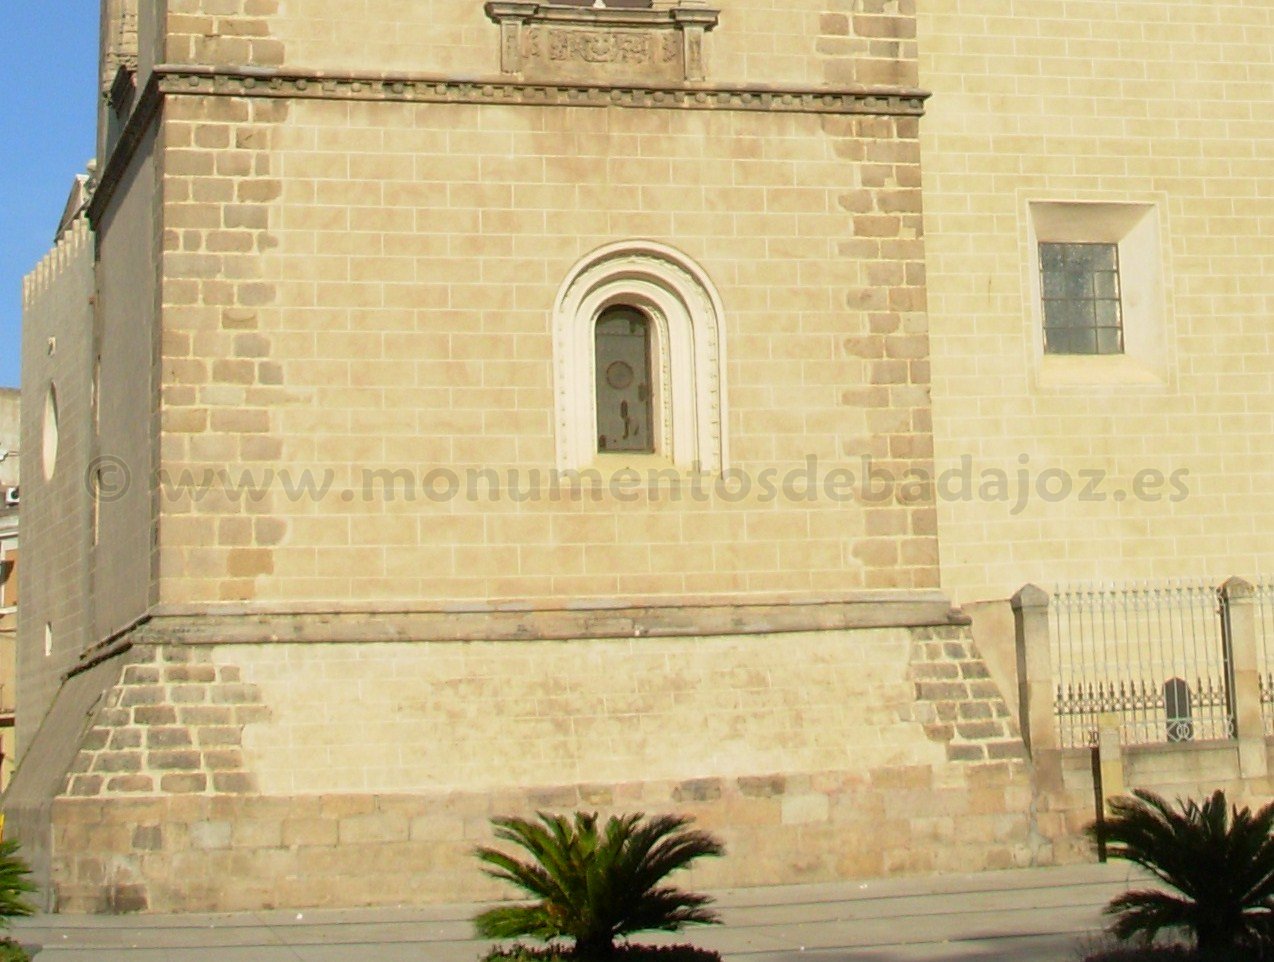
1249, 722
1035, 685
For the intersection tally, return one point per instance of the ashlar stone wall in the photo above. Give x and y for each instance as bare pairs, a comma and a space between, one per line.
1161, 104
359, 292
327, 774
56, 440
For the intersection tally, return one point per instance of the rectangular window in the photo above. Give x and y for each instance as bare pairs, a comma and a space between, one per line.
1079, 285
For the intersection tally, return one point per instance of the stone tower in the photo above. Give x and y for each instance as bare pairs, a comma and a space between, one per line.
468, 410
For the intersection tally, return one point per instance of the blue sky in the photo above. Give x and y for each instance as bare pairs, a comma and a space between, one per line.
47, 129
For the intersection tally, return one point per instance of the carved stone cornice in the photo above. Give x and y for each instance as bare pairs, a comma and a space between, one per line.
171, 80
317, 85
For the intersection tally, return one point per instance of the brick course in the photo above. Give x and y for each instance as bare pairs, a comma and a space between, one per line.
172, 725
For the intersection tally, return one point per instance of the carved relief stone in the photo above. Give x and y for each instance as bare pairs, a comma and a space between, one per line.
544, 42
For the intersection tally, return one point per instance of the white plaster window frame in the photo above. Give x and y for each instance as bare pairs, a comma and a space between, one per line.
688, 357
50, 433
1135, 228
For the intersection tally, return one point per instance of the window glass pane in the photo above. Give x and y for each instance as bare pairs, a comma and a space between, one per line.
1070, 340
1086, 257
1107, 284
1068, 314
623, 357
1079, 284
1110, 340
1107, 313
1077, 281
1100, 257
1058, 340
1053, 284
1074, 256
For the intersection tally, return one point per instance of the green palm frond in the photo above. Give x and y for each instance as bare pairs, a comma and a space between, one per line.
594, 883
669, 909
1145, 913
516, 921
14, 884
1220, 858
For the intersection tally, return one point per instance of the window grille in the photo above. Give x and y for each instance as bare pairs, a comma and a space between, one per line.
1079, 285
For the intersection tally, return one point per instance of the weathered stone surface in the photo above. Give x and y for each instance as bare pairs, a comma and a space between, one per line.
183, 742
180, 783
780, 824
167, 737
698, 790
762, 786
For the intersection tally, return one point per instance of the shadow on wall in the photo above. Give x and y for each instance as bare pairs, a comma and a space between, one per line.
1042, 948
1050, 948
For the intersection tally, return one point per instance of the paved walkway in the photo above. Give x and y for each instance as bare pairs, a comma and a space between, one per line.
1029, 915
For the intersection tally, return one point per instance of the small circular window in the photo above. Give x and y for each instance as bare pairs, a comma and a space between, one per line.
50, 447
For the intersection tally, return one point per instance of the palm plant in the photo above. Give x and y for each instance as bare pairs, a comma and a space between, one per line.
595, 885
1220, 860
14, 884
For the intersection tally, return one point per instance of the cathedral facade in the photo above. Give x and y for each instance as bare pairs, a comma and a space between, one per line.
450, 410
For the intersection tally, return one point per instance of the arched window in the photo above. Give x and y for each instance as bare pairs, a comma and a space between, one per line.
625, 380
639, 360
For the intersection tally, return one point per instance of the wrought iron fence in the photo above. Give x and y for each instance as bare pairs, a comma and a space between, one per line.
1152, 659
1264, 614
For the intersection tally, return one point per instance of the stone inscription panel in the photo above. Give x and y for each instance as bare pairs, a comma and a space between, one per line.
569, 53
555, 44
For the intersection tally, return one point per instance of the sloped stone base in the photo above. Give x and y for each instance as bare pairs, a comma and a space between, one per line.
236, 777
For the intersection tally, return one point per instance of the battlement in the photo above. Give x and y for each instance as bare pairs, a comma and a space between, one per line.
67, 250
